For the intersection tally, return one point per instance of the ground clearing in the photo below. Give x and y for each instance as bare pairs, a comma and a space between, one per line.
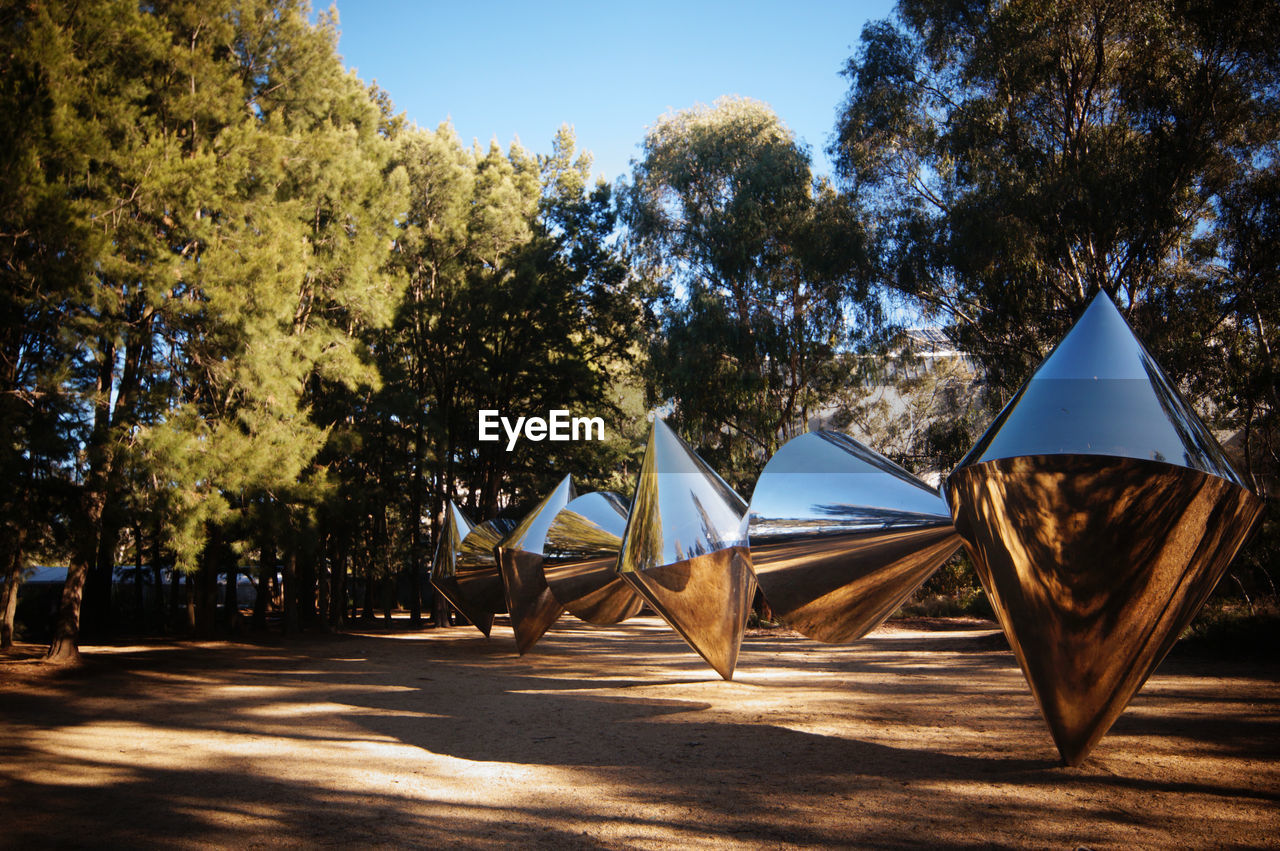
619, 737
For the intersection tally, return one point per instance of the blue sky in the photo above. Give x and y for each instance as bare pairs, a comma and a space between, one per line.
507, 69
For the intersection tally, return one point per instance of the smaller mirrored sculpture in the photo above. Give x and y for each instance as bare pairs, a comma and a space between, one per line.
685, 549
581, 558
478, 581
444, 573
841, 536
533, 609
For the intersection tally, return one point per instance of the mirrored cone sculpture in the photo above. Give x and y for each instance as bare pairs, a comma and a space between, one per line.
519, 556
581, 557
841, 536
685, 549
1100, 513
479, 584
444, 567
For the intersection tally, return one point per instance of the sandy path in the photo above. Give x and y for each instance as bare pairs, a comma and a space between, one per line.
620, 738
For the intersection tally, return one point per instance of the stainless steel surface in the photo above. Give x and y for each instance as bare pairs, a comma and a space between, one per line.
1094, 566
580, 557
684, 549
1099, 513
706, 599
533, 609
1100, 393
840, 536
444, 574
479, 583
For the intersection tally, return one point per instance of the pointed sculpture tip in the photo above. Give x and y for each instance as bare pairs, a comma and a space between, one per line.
567, 483
1102, 295
1103, 300
1072, 757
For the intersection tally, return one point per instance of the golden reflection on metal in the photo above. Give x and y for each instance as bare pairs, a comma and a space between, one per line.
1098, 526
580, 558
533, 609
841, 536
444, 566
479, 584
1094, 567
684, 549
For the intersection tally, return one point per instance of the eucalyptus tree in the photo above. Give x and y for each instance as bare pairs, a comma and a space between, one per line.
1021, 156
763, 271
1024, 155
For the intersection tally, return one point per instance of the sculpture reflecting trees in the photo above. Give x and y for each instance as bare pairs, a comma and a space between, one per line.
841, 536
581, 557
1100, 513
1098, 509
533, 609
685, 549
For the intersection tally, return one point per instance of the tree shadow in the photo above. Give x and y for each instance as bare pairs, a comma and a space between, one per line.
615, 737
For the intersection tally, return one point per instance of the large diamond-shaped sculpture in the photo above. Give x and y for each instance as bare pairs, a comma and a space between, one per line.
477, 584
519, 556
581, 557
841, 536
444, 567
685, 549
1100, 512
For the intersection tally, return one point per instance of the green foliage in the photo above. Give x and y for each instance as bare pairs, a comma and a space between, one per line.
1026, 155
1022, 156
516, 302
760, 270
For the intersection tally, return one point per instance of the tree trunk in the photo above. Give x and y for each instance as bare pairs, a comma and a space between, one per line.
175, 582
323, 583
266, 576
415, 527
291, 624
338, 592
64, 649
157, 571
98, 615
9, 599
306, 572
139, 603
87, 524
189, 591
369, 584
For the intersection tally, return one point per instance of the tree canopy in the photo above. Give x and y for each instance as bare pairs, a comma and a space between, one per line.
760, 267
249, 313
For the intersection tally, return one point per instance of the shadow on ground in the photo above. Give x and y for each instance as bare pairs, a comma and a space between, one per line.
618, 737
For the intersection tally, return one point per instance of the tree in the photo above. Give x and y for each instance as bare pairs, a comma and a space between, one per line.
243, 186
1022, 156
763, 272
45, 247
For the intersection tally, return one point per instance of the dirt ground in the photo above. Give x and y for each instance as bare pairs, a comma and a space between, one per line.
619, 737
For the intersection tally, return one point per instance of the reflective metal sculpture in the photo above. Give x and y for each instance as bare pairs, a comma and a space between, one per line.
519, 556
1100, 513
444, 573
841, 536
581, 557
478, 591
685, 549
